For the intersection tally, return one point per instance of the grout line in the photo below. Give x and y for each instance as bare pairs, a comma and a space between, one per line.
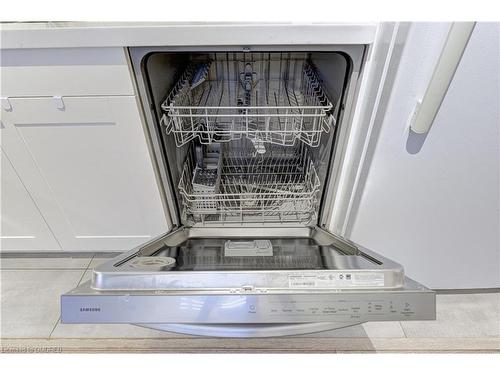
85, 271
89, 263
467, 291
403, 329
54, 328
44, 269
77, 284
56, 254
85, 268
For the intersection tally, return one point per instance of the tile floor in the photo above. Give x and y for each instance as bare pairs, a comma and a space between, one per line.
31, 287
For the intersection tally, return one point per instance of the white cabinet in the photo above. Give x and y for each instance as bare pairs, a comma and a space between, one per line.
22, 226
79, 175
86, 163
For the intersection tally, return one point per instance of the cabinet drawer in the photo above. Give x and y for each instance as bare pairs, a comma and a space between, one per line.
65, 72
65, 111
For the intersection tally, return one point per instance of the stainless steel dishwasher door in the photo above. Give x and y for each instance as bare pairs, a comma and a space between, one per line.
352, 286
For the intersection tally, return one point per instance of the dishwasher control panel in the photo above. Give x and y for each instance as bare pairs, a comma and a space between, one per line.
252, 307
341, 309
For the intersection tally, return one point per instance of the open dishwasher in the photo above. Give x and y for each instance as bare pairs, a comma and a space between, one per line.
248, 145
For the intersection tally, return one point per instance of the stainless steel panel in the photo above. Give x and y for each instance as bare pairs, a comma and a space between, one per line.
256, 303
87, 305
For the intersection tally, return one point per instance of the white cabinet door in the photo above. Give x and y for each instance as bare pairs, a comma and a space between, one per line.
22, 226
87, 165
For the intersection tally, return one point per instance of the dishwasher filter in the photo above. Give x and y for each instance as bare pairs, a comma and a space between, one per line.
156, 263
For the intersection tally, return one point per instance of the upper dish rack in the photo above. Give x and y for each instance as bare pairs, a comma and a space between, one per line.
277, 106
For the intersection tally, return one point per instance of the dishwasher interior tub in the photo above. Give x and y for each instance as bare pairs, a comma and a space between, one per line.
268, 118
247, 148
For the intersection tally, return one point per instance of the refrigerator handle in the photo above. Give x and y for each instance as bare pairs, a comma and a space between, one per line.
454, 47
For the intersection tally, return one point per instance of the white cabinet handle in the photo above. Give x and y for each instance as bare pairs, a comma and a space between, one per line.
427, 108
6, 104
59, 102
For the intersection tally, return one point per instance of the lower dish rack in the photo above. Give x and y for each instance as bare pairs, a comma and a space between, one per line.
278, 186
212, 105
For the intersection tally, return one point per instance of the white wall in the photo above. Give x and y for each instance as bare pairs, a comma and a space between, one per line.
433, 203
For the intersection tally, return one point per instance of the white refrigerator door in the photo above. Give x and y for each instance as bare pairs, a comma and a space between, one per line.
431, 201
